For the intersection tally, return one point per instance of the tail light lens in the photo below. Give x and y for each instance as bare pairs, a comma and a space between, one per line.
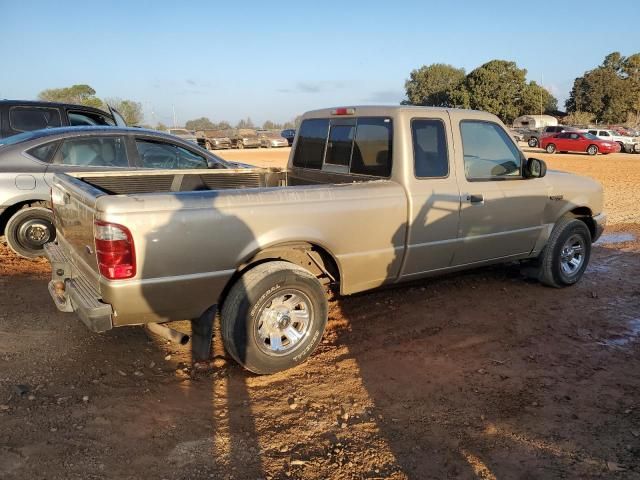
115, 250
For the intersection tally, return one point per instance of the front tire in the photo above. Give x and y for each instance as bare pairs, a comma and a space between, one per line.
551, 148
28, 230
592, 150
274, 317
566, 255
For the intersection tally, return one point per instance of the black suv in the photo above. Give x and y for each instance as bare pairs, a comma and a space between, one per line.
17, 116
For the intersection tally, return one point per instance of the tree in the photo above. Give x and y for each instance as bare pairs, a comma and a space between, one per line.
80, 94
202, 123
432, 85
537, 99
222, 125
611, 91
131, 111
496, 87
579, 118
245, 123
162, 127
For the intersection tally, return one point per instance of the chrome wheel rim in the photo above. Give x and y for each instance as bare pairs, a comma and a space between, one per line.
34, 233
572, 255
592, 150
284, 322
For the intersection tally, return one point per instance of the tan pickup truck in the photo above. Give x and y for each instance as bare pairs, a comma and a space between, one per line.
371, 196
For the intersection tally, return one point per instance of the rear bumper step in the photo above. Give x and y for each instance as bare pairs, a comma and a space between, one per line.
78, 294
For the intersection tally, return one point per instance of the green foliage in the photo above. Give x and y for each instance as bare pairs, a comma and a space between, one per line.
432, 85
537, 99
498, 87
202, 123
579, 118
611, 91
269, 125
77, 94
131, 111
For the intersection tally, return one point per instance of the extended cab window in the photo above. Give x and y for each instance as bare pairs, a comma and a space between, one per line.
166, 155
26, 119
312, 139
429, 148
489, 152
94, 152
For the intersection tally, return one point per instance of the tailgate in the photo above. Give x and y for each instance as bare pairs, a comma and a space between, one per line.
73, 203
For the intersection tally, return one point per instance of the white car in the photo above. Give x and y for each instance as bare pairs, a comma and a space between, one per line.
627, 144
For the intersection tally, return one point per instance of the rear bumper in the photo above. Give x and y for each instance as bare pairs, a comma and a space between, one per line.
601, 222
78, 295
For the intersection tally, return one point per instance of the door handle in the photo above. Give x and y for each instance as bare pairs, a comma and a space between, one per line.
479, 198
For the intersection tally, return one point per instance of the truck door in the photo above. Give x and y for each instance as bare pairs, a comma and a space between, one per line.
501, 211
434, 196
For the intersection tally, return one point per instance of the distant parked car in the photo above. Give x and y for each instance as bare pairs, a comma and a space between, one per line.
270, 139
289, 134
627, 144
184, 134
213, 139
243, 138
28, 162
533, 139
578, 142
18, 116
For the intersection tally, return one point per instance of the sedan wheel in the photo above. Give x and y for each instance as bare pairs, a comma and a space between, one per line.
592, 150
551, 148
28, 230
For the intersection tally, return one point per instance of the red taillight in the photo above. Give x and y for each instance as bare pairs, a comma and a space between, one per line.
115, 251
343, 111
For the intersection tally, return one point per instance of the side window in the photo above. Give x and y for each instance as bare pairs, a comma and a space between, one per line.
25, 119
372, 147
488, 151
166, 155
429, 149
340, 145
94, 152
564, 135
593, 132
604, 134
574, 136
87, 119
44, 152
311, 143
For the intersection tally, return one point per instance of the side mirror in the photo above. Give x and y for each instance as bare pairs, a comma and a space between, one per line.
535, 168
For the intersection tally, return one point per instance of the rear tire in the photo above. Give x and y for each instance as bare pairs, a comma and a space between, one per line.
533, 142
551, 148
592, 150
273, 317
28, 230
566, 255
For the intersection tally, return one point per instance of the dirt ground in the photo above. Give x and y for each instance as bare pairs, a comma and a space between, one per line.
474, 375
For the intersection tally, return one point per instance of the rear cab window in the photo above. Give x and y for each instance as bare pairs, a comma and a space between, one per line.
27, 118
360, 146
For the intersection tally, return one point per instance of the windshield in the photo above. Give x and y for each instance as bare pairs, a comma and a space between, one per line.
590, 136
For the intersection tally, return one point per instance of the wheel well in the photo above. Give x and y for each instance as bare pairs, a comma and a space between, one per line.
307, 255
585, 214
10, 211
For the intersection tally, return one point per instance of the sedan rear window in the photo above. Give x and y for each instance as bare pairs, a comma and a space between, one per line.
25, 119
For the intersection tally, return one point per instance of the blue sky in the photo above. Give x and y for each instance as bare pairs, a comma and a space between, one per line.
274, 60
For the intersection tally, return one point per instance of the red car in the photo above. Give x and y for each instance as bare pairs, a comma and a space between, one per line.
578, 142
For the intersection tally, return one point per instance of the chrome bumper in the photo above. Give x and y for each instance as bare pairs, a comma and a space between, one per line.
77, 294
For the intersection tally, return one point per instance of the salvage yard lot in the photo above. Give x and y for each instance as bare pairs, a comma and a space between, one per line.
474, 375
